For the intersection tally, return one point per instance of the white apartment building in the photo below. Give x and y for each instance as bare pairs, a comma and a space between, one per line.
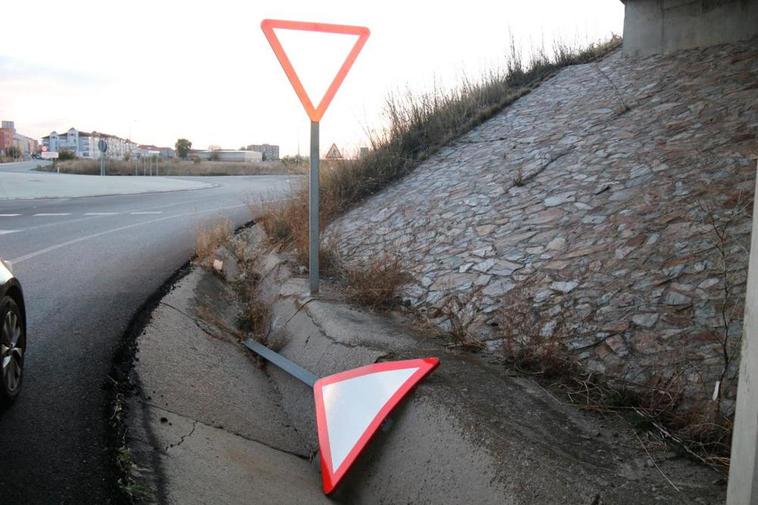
84, 144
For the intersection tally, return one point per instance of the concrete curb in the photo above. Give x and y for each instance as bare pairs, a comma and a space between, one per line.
205, 424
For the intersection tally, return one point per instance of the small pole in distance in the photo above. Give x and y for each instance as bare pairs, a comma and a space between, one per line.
313, 210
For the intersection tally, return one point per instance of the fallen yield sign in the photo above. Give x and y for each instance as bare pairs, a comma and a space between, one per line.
315, 113
351, 405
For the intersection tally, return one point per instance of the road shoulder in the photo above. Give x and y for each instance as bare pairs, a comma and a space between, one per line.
38, 185
206, 423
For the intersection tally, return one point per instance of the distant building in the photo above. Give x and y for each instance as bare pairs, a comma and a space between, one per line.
270, 152
6, 135
144, 150
10, 137
228, 155
167, 152
364, 152
84, 144
27, 145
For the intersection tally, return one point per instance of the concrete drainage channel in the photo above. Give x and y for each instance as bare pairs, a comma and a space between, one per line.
210, 423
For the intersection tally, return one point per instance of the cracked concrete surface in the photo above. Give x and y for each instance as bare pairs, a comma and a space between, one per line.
468, 434
209, 465
207, 425
210, 426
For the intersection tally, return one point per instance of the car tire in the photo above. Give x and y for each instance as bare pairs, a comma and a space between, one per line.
12, 349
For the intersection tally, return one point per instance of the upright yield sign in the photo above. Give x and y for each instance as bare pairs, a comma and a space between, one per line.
314, 113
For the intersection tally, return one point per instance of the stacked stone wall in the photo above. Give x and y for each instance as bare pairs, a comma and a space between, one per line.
615, 199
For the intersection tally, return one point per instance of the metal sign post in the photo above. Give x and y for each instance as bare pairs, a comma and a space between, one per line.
315, 114
102, 145
313, 213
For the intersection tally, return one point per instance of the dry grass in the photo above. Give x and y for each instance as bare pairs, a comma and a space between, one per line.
287, 223
419, 125
659, 405
254, 321
459, 312
174, 167
532, 343
257, 317
375, 284
209, 238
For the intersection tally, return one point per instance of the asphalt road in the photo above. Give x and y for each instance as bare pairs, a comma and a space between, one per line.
86, 265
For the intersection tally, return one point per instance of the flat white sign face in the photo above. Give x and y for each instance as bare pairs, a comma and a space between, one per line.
49, 155
352, 404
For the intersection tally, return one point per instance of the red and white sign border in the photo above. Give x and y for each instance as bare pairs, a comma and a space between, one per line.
331, 477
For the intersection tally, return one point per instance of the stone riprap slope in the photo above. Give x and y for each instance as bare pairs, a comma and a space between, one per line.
594, 200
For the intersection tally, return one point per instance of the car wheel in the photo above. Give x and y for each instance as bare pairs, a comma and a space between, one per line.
12, 349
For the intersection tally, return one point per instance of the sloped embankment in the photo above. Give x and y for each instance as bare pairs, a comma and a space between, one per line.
614, 201
209, 423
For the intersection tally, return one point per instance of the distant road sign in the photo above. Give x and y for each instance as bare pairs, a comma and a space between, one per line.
49, 155
44, 149
102, 145
333, 153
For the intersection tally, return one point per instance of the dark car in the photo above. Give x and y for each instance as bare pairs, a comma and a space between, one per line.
12, 334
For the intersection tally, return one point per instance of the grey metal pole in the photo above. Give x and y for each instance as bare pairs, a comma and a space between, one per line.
313, 201
288, 366
743, 470
102, 163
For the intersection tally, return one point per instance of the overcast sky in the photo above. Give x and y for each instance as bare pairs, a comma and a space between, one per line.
159, 70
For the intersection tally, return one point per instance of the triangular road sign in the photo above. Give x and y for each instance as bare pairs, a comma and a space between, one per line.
314, 113
333, 153
350, 407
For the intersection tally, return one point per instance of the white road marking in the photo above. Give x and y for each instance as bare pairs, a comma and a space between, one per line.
9, 215
146, 212
5, 232
46, 214
101, 213
113, 230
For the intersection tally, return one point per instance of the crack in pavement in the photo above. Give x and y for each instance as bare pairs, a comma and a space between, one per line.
304, 456
183, 438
